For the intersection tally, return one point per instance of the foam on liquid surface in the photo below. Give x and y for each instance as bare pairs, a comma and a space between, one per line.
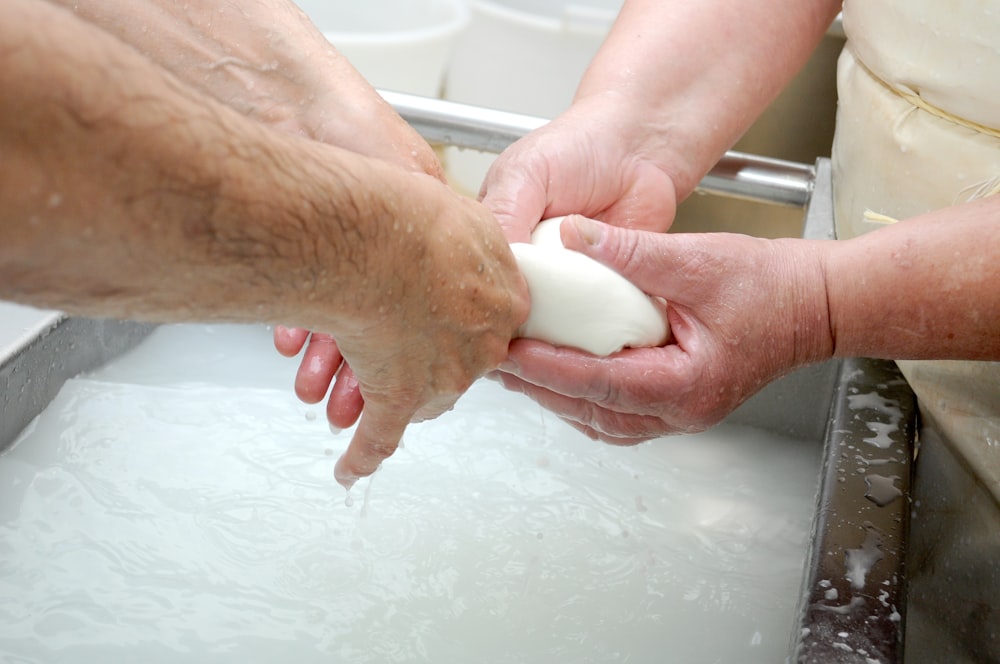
179, 505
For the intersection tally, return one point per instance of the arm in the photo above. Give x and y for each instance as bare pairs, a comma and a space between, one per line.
267, 61
126, 193
674, 85
924, 288
744, 311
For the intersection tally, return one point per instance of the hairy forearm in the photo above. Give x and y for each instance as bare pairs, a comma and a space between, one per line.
698, 72
265, 59
126, 193
224, 48
923, 288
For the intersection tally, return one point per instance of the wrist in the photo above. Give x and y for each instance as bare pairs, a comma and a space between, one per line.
811, 325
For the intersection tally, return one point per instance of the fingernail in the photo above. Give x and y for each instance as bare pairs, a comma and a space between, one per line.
590, 231
511, 382
344, 478
508, 366
334, 429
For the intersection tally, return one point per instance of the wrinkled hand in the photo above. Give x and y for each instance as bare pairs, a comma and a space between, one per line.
743, 311
441, 298
597, 159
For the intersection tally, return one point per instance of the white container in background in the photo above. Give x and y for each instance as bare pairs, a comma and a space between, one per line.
401, 45
524, 56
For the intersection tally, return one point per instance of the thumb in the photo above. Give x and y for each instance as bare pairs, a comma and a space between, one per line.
649, 260
515, 198
376, 438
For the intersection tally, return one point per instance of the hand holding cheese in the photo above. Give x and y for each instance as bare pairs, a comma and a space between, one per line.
578, 302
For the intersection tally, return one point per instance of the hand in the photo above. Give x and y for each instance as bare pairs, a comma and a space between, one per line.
600, 159
320, 364
742, 310
431, 326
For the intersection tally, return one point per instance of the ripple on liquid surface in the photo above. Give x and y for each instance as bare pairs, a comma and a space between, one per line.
195, 517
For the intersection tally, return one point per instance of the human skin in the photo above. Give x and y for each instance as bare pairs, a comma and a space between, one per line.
744, 311
673, 86
266, 60
125, 192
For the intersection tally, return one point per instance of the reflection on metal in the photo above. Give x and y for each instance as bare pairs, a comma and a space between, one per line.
753, 178
853, 603
443, 122
818, 223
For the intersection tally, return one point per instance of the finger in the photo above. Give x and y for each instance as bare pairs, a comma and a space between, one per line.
289, 340
655, 262
516, 197
319, 364
345, 403
595, 420
594, 434
376, 438
616, 379
435, 408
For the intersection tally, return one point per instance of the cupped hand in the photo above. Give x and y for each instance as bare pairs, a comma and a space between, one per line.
743, 311
321, 366
442, 298
599, 159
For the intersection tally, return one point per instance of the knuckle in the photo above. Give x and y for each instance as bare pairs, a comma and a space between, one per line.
380, 449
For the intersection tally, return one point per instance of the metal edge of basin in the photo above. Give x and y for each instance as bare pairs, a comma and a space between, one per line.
852, 606
33, 371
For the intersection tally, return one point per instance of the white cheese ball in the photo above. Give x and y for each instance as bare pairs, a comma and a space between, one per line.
581, 303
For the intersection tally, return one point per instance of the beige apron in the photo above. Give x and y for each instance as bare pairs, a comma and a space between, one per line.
918, 129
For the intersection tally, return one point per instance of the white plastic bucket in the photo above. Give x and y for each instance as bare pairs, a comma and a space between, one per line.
401, 45
525, 56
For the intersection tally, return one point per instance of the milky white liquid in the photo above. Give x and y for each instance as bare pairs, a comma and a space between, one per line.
179, 506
